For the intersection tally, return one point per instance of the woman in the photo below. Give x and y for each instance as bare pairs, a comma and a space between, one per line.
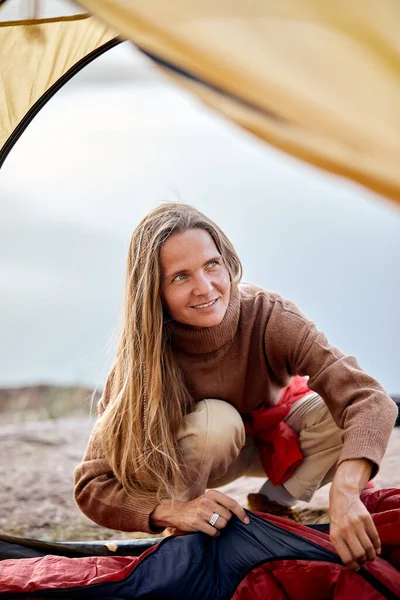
201, 360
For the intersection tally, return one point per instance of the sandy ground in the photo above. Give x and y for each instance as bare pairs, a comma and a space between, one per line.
36, 466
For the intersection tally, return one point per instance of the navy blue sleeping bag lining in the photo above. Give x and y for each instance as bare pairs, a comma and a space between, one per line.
197, 567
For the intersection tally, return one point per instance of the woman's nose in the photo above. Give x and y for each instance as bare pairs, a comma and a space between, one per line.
202, 286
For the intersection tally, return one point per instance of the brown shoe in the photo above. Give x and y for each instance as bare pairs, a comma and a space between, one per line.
260, 503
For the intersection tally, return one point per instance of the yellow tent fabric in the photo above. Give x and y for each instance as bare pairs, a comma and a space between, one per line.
319, 80
35, 56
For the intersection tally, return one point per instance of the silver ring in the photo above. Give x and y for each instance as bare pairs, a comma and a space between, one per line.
213, 519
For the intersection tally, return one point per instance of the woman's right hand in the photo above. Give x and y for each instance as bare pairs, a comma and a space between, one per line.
194, 515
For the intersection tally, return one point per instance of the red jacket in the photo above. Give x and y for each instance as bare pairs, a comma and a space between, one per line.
278, 444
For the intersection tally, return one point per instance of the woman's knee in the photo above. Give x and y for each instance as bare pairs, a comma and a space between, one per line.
215, 427
311, 413
225, 428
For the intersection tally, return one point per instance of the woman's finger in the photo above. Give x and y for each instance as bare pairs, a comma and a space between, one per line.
344, 552
220, 523
222, 511
373, 534
230, 504
209, 507
358, 552
367, 544
209, 530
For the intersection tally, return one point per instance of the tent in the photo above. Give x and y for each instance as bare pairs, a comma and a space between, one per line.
38, 55
318, 80
270, 558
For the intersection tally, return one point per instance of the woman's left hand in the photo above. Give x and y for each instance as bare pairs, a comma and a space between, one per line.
352, 530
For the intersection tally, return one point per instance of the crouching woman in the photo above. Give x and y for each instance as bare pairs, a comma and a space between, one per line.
199, 355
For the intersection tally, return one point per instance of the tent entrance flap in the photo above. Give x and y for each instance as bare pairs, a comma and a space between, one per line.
38, 57
328, 71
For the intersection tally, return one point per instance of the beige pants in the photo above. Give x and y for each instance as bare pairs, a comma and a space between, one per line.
217, 450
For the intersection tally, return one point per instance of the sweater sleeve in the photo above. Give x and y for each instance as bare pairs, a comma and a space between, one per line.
102, 498
358, 403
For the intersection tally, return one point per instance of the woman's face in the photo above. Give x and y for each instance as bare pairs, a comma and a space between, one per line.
193, 276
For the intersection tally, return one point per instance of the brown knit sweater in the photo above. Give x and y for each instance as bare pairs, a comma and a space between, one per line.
247, 360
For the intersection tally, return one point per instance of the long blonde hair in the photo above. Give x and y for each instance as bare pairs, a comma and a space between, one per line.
146, 397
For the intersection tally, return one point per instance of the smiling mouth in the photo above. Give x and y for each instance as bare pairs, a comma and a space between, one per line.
207, 305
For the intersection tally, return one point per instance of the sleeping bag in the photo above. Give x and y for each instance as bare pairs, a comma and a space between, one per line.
272, 558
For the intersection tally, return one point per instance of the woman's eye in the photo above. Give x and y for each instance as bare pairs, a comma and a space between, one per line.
178, 277
182, 276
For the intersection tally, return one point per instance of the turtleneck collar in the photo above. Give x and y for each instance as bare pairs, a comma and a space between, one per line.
203, 340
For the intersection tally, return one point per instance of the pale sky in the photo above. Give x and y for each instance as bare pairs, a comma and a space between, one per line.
112, 143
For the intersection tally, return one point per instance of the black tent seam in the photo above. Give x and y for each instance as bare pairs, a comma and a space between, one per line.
44, 98
189, 75
80, 548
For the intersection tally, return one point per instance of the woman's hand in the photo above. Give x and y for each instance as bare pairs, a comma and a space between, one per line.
352, 530
195, 515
